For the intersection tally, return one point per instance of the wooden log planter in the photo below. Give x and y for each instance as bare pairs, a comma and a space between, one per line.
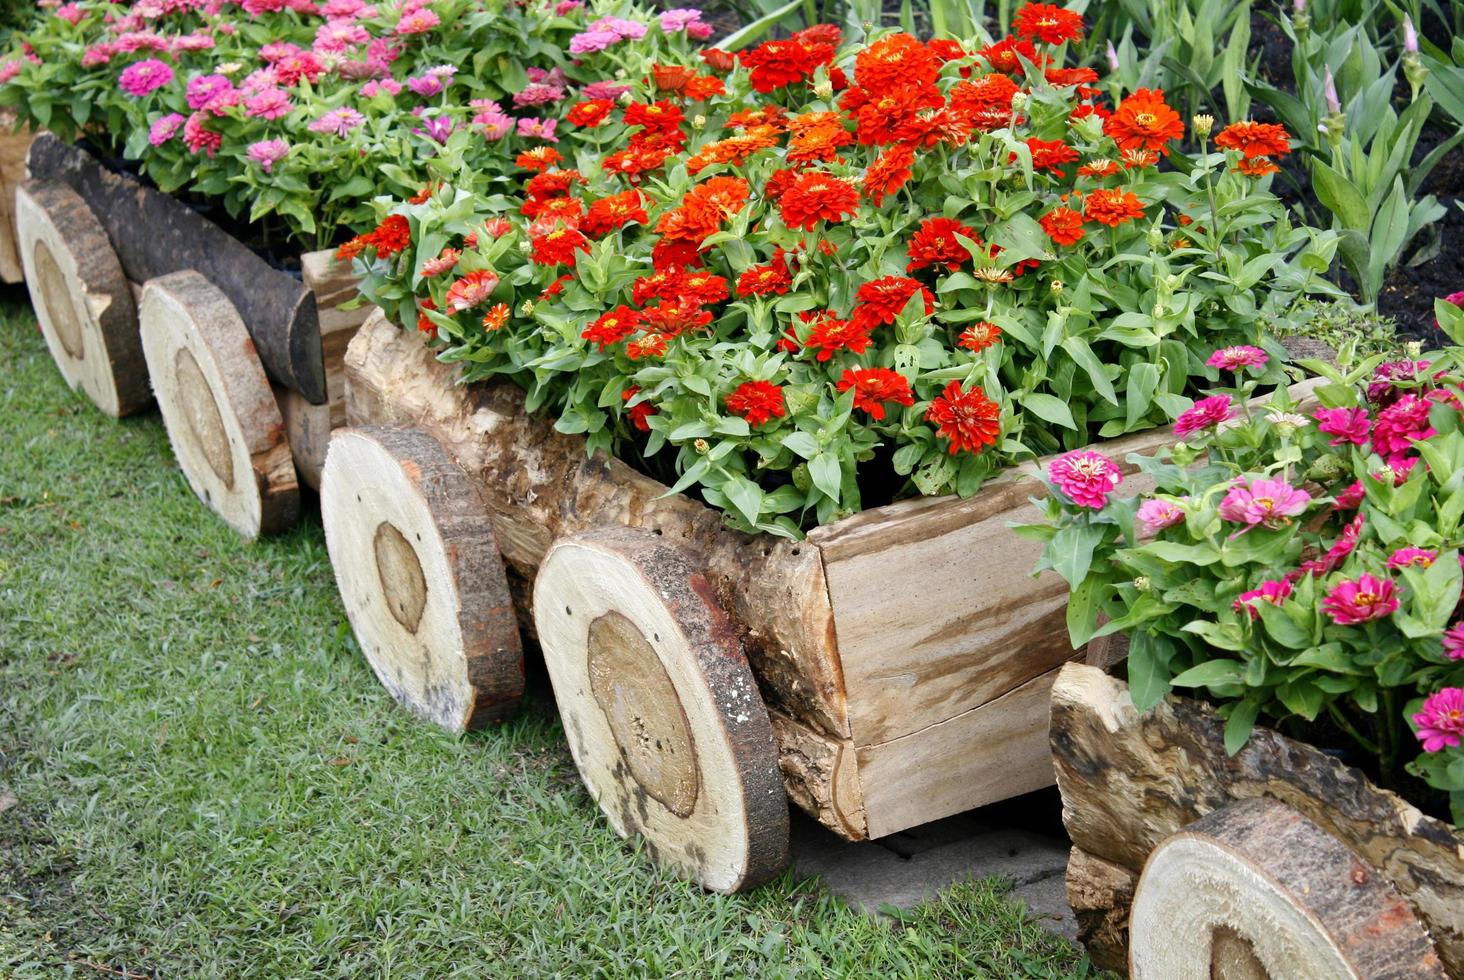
891, 669
140, 297
1278, 862
14, 142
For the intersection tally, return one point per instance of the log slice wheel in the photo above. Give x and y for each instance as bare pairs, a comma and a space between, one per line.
81, 297
216, 402
1256, 891
419, 571
660, 707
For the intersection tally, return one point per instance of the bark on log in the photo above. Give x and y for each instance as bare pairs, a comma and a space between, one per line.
221, 416
420, 577
14, 142
1256, 890
81, 297
154, 234
1129, 781
660, 707
1100, 893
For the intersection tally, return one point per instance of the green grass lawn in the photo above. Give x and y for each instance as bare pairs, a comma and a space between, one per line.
200, 777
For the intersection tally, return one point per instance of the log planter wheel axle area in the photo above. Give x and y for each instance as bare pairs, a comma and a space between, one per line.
244, 360
1278, 862
903, 673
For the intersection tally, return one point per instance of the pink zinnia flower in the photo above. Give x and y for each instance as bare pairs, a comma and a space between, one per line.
387, 86
444, 262
588, 42
334, 37
1382, 388
1273, 591
418, 20
98, 54
193, 42
542, 129
164, 129
1454, 639
267, 153
205, 90
1351, 498
1155, 515
1085, 477
199, 138
565, 6
338, 121
1349, 426
8, 71
426, 86
1399, 424
1361, 600
495, 125
1237, 359
538, 93
496, 228
471, 290
1264, 501
144, 77
272, 103
1412, 557
72, 13
1204, 414
1441, 722
679, 19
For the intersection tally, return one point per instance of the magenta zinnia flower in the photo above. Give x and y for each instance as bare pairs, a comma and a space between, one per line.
1204, 414
144, 77
1155, 515
1382, 389
1273, 591
164, 129
267, 153
1237, 358
339, 121
1454, 640
1399, 424
1349, 426
272, 103
1361, 600
1264, 501
1414, 557
417, 20
1085, 476
1441, 722
1351, 498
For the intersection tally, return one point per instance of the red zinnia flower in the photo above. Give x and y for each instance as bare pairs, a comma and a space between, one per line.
1256, 166
774, 64
495, 318
1044, 22
1098, 168
1063, 225
649, 345
657, 117
757, 402
615, 211
817, 196
1008, 54
675, 317
612, 326
471, 290
875, 386
1112, 207
829, 334
391, 236
1144, 121
969, 419
888, 173
979, 336
772, 279
591, 113
880, 301
1049, 154
424, 322
540, 158
935, 243
558, 247
657, 285
702, 288
1255, 139
986, 102
639, 412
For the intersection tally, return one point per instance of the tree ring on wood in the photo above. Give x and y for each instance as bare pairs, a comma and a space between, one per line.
644, 712
622, 616
81, 297
1256, 891
216, 402
204, 424
400, 572
419, 573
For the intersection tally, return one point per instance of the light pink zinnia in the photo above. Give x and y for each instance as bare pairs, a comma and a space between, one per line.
417, 20
604, 90
1155, 515
386, 86
1237, 358
1204, 414
267, 153
338, 121
542, 129
1273, 591
1441, 722
1264, 501
1361, 600
471, 290
272, 103
1085, 477
144, 77
444, 262
1412, 557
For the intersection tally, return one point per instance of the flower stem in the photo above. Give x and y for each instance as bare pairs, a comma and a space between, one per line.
1368, 745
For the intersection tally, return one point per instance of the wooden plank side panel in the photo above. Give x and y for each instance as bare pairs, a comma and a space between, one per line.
990, 753
13, 146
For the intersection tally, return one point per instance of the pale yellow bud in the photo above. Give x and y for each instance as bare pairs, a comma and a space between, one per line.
1203, 124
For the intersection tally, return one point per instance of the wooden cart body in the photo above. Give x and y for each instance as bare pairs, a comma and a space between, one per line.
905, 654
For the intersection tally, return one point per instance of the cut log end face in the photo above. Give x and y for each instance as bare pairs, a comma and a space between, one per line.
216, 402
81, 297
420, 575
1255, 891
660, 707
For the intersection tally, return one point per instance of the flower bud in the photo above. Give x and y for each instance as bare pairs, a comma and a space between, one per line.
1203, 124
1155, 237
702, 447
1055, 286
1325, 468
1415, 71
527, 309
228, 68
1410, 36
1142, 583
698, 121
1019, 101
1329, 91
626, 98
1112, 54
823, 88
